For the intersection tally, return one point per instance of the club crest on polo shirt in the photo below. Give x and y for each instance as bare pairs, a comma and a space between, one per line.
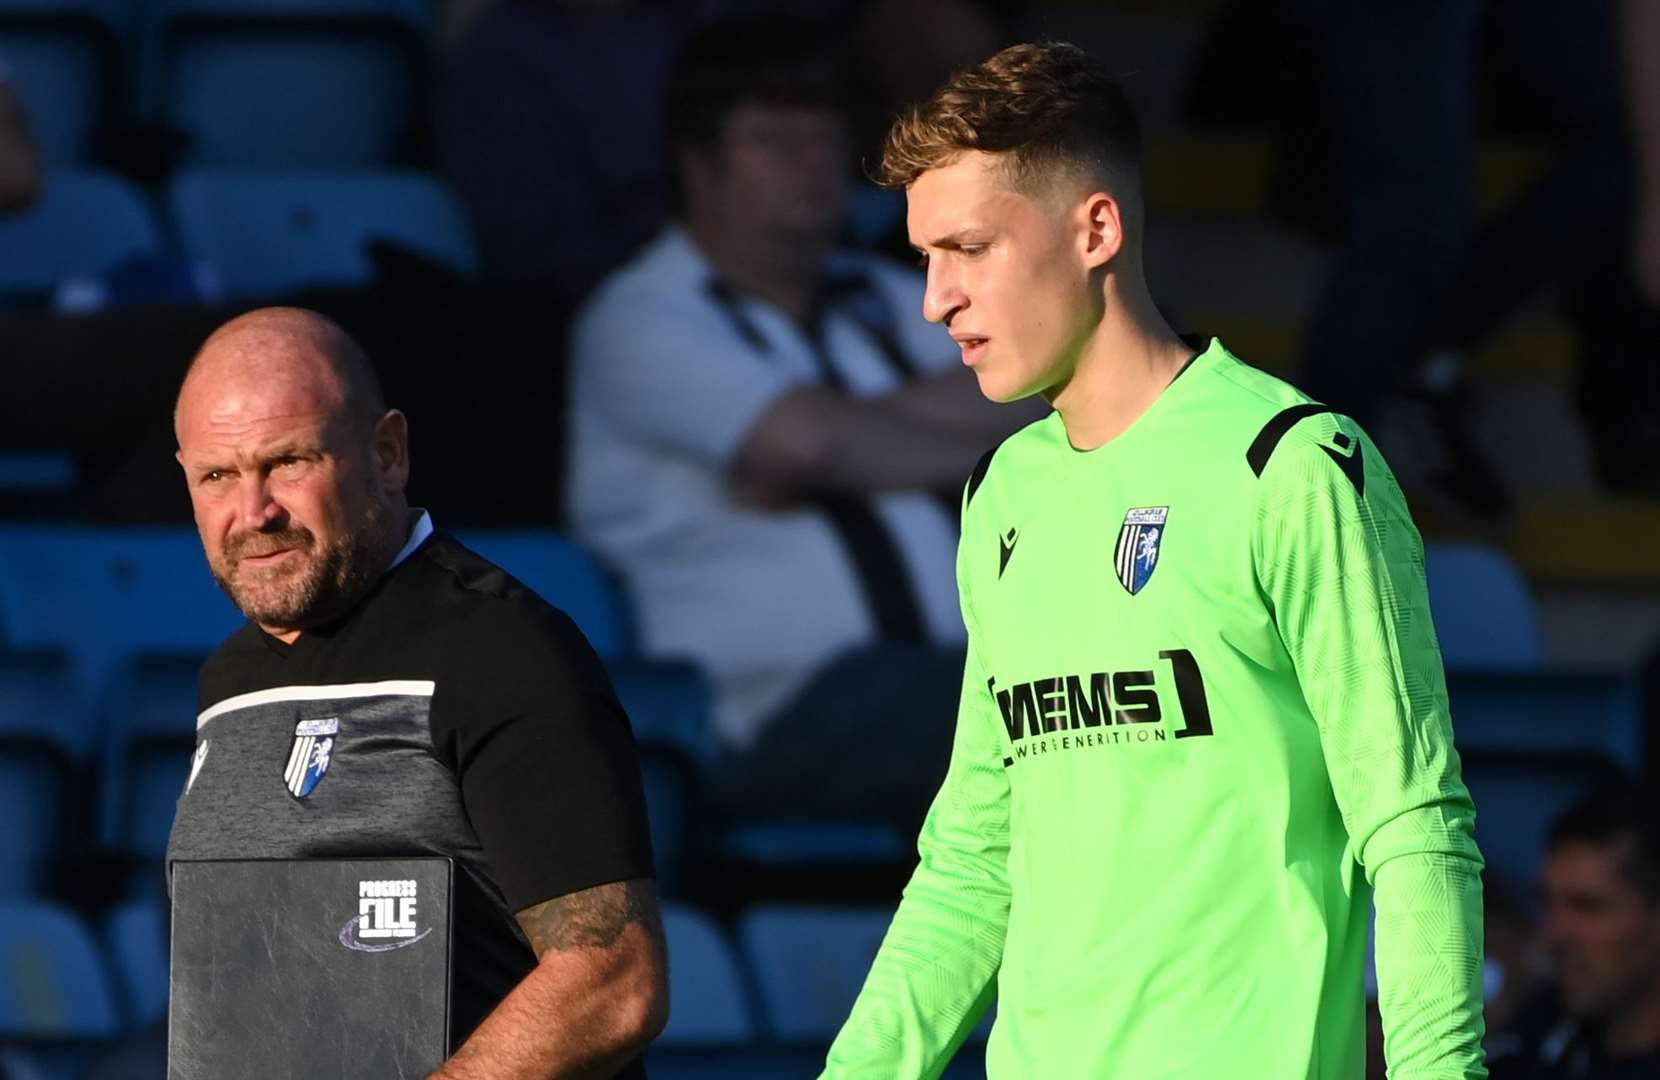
310, 754
1139, 542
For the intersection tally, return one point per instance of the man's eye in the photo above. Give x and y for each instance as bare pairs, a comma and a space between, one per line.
972, 250
922, 259
213, 476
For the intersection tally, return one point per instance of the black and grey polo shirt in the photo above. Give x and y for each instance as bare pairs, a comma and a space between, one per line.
452, 712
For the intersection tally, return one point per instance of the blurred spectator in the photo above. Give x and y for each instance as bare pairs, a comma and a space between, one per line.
1601, 1019
19, 162
770, 444
1641, 40
548, 125
1417, 286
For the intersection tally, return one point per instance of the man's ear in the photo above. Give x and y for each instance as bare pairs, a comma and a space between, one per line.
1100, 229
390, 446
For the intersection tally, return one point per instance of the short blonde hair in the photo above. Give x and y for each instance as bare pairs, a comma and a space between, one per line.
1044, 104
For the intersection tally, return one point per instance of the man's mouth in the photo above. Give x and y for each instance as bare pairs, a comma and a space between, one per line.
972, 347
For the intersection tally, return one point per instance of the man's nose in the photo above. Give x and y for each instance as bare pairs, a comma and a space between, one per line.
255, 506
943, 299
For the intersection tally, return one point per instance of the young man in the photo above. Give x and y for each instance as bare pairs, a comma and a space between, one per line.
1203, 719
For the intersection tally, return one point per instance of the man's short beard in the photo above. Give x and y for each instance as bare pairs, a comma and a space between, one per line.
337, 577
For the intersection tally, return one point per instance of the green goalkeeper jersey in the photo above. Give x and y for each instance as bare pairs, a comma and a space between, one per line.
1203, 722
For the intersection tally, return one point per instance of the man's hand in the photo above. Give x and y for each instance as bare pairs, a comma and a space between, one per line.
598, 995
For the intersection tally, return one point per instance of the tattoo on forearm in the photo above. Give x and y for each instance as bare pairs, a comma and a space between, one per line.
593, 918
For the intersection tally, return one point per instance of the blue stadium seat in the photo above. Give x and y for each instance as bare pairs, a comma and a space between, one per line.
54, 993
667, 702
705, 984
150, 733
84, 224
45, 734
564, 574
1548, 712
16, 1065
788, 843
268, 232
809, 963
107, 595
1484, 614
1517, 796
668, 782
135, 935
291, 85
415, 14
64, 60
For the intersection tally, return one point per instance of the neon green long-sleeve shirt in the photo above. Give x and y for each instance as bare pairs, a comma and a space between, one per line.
1203, 722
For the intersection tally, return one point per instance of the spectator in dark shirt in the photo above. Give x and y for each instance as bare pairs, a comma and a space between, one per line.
548, 125
1601, 1019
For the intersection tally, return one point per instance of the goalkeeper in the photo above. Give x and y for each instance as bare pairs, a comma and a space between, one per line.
1203, 724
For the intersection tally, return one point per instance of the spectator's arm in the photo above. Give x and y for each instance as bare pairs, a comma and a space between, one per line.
1641, 44
19, 161
952, 401
812, 439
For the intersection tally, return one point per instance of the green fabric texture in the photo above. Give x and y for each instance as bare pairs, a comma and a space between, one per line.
1203, 722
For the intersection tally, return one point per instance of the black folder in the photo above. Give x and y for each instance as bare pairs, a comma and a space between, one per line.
311, 969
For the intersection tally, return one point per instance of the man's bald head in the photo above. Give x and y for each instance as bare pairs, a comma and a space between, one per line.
296, 468
308, 353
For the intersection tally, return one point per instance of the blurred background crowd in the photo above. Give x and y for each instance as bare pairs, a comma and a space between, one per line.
660, 342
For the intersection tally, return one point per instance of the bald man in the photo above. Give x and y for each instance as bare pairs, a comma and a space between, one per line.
393, 693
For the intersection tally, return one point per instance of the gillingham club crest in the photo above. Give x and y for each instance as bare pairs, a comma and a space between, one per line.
1138, 546
308, 758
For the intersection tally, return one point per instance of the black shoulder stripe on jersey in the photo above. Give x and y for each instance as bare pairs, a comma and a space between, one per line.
976, 477
1262, 447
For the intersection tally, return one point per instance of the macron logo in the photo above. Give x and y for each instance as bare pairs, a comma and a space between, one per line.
1006, 545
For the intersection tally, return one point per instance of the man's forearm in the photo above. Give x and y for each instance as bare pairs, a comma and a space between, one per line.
951, 401
598, 995
1429, 965
815, 440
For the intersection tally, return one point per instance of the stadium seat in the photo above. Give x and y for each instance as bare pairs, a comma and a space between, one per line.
44, 735
1548, 712
106, 595
564, 574
667, 703
54, 993
1518, 795
809, 963
15, 1065
268, 232
810, 843
64, 60
705, 984
1484, 614
84, 224
135, 936
150, 733
291, 85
